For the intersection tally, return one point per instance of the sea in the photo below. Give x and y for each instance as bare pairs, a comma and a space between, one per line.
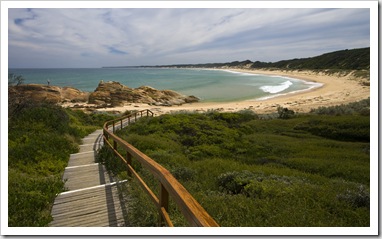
209, 85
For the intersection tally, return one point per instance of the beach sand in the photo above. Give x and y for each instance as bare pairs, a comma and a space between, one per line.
335, 90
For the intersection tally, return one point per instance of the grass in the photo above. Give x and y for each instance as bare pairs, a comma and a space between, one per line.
309, 170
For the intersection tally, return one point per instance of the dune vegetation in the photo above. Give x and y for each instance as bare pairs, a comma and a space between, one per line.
251, 170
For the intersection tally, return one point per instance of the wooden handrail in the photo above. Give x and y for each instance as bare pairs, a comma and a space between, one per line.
169, 186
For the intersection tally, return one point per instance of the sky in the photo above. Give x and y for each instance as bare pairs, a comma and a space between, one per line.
96, 37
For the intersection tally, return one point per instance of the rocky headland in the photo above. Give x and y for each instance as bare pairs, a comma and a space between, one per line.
107, 94
115, 94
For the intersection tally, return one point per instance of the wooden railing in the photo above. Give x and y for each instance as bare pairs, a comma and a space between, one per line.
169, 186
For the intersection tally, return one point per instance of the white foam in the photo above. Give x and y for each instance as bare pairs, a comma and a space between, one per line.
276, 88
313, 85
241, 73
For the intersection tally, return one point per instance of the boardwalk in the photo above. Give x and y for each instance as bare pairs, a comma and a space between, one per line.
91, 199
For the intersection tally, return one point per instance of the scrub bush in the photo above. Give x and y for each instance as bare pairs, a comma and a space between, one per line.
244, 171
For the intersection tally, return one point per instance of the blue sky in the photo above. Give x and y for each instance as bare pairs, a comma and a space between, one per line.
96, 37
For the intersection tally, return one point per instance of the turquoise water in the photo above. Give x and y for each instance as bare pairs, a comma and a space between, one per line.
208, 85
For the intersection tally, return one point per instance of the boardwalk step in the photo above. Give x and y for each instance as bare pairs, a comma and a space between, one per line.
90, 147
83, 177
67, 193
96, 207
82, 158
92, 199
90, 140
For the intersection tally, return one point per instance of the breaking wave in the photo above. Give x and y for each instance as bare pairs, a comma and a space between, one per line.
277, 88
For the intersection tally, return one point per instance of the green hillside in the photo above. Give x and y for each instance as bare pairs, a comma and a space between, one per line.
354, 59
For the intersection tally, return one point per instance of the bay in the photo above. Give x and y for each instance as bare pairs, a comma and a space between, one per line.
207, 84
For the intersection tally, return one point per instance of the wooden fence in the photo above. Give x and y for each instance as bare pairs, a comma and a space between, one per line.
169, 186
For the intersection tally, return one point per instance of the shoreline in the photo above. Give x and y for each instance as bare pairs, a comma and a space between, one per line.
335, 90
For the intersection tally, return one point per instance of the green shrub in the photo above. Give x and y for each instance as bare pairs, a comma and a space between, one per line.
113, 164
183, 173
346, 128
359, 197
233, 119
356, 108
285, 113
205, 151
235, 182
30, 198
152, 143
141, 211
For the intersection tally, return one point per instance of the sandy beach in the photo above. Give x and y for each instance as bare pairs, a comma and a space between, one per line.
335, 90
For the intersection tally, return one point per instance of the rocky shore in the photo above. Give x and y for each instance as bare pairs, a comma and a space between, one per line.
107, 94
44, 93
115, 94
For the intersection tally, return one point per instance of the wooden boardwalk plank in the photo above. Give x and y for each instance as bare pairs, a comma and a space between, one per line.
87, 176
90, 147
99, 207
90, 140
82, 158
92, 199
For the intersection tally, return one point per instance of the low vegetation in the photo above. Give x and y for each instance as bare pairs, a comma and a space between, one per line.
305, 170
40, 139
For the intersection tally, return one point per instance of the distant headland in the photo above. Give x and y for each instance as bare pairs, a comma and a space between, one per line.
353, 59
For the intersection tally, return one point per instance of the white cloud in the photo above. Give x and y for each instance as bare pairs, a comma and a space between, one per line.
97, 37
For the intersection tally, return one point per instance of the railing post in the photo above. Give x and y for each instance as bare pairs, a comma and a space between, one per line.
106, 137
113, 127
121, 124
115, 145
163, 202
141, 113
128, 160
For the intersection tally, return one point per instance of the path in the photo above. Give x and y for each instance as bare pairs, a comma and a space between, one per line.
91, 199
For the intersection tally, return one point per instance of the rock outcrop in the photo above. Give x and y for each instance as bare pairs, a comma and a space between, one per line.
107, 94
115, 94
44, 93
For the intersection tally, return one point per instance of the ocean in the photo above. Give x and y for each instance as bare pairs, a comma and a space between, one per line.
207, 84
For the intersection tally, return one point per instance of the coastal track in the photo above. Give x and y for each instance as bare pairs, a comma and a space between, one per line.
91, 199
